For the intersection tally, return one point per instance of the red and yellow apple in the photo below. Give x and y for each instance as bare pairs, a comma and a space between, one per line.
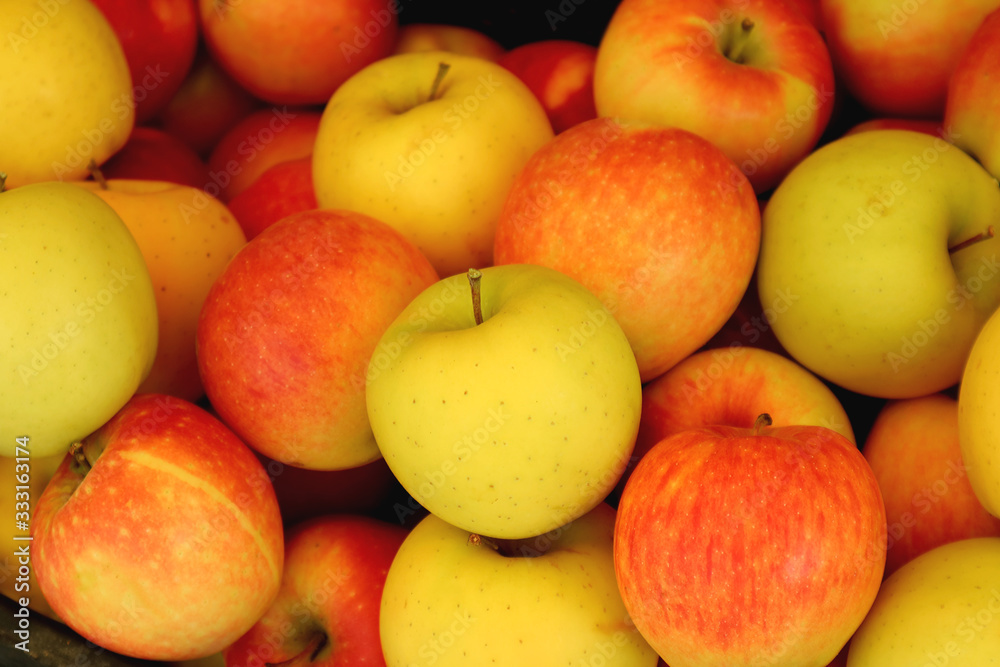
420, 37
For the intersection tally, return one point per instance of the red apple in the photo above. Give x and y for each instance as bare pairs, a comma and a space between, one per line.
152, 154
418, 37
287, 330
743, 546
160, 38
259, 141
972, 106
297, 51
207, 105
281, 190
159, 537
913, 449
656, 221
752, 76
327, 611
560, 73
895, 58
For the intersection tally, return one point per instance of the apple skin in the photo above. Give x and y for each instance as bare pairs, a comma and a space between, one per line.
160, 39
258, 142
972, 104
331, 589
187, 238
79, 315
283, 189
153, 154
170, 512
764, 96
883, 208
448, 602
206, 106
384, 150
66, 91
732, 387
286, 332
560, 72
298, 52
940, 606
515, 426
733, 545
896, 59
653, 220
913, 449
932, 127
978, 423
420, 37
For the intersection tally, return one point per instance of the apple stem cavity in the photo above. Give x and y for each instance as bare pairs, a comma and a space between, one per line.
529, 547
981, 236
95, 171
438, 78
475, 277
763, 420
740, 39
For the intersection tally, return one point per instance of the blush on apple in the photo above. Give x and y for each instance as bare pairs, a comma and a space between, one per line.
280, 191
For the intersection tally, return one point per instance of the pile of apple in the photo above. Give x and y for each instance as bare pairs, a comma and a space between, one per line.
328, 337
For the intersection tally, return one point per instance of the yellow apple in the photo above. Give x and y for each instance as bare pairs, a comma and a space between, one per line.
978, 421
942, 607
434, 161
79, 325
186, 238
66, 90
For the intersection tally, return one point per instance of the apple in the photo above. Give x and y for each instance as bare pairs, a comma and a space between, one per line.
732, 386
259, 141
509, 406
299, 51
978, 424
66, 90
186, 238
159, 536
402, 143
932, 127
655, 221
896, 58
159, 38
750, 323
940, 608
206, 106
738, 546
327, 610
153, 154
79, 329
869, 239
420, 37
286, 332
281, 190
452, 598
752, 76
913, 449
972, 102
560, 72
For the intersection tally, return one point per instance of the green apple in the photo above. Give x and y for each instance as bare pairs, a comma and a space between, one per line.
867, 246
941, 608
66, 90
978, 421
514, 426
79, 325
433, 158
548, 601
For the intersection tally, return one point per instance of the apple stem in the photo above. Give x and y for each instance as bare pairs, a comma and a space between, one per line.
441, 71
475, 276
95, 171
981, 236
79, 457
763, 420
3, 181
736, 53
